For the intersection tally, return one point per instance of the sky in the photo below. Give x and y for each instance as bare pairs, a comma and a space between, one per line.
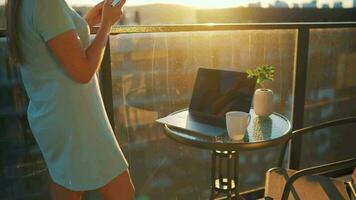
211, 3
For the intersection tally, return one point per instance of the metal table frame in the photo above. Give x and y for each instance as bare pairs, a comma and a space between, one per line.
225, 157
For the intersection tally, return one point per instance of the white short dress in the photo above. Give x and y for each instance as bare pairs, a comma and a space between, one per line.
68, 119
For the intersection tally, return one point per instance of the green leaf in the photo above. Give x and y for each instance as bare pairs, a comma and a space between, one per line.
262, 73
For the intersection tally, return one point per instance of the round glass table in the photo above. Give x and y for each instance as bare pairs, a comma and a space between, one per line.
262, 132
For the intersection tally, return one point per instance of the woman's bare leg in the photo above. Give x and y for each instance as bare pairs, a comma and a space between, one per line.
59, 192
120, 188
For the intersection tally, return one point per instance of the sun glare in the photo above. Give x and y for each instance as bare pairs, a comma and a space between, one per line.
210, 3
193, 3
211, 24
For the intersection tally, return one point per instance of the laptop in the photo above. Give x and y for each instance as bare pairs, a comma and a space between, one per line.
215, 93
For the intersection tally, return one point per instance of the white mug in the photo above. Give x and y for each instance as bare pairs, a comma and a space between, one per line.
236, 124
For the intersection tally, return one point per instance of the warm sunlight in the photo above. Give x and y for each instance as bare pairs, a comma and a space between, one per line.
194, 3
213, 3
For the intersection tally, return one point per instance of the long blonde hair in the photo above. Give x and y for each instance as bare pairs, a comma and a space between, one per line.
12, 10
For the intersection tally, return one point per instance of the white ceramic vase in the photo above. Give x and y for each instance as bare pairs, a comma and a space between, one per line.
263, 102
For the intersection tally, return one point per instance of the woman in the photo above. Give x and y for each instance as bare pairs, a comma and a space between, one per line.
50, 43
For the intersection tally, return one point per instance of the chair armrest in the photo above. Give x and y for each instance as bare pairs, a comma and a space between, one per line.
310, 129
351, 190
316, 170
337, 122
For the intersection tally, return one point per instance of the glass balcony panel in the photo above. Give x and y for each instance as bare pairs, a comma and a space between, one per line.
23, 173
330, 94
153, 75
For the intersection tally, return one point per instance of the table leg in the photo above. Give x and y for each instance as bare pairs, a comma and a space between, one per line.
237, 178
213, 173
221, 179
229, 179
225, 165
236, 172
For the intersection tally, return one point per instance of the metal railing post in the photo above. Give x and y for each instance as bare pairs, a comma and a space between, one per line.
106, 84
300, 80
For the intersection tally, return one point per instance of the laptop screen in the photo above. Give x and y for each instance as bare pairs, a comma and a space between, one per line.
217, 92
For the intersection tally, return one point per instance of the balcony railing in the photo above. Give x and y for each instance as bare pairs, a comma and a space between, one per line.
149, 71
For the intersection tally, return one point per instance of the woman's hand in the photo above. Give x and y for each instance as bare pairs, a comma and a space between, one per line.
111, 14
93, 16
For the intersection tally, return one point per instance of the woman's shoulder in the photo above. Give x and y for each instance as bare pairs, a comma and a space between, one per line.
49, 4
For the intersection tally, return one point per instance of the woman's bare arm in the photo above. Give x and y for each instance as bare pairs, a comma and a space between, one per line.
81, 64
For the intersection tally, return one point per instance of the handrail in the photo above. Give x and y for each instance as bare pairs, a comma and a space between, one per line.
126, 29
224, 27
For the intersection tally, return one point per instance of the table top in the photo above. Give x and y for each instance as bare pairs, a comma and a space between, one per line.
262, 132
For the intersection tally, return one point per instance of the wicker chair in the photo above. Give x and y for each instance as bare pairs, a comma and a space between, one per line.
308, 184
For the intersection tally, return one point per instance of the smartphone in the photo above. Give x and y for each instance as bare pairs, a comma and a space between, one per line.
115, 2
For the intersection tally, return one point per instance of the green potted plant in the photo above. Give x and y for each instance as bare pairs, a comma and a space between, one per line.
263, 98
